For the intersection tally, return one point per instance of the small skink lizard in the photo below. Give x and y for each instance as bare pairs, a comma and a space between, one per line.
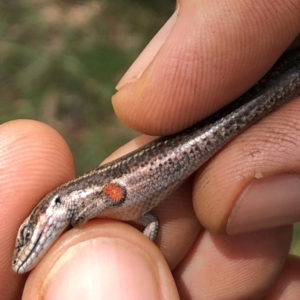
129, 187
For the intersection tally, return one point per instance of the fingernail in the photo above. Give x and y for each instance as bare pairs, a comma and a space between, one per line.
266, 203
147, 55
103, 268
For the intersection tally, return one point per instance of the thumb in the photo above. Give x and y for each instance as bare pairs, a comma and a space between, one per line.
102, 260
207, 54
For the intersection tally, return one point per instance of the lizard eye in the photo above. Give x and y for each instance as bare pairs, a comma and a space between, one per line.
27, 233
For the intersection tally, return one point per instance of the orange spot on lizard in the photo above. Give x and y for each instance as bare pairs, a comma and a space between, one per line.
114, 192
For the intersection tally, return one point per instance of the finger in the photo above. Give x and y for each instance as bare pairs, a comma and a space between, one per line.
34, 159
212, 52
288, 284
233, 267
104, 260
253, 183
179, 226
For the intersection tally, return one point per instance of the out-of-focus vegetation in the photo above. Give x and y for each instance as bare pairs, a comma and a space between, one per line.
60, 61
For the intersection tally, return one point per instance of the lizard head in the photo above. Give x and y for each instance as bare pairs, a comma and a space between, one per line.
46, 222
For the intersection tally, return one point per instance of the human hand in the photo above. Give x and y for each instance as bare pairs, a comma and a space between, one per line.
204, 58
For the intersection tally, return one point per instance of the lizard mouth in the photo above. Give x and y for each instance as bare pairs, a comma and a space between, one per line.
24, 266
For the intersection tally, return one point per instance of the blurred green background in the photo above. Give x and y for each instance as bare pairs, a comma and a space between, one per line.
60, 61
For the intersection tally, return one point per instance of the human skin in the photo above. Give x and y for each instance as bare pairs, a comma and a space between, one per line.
208, 54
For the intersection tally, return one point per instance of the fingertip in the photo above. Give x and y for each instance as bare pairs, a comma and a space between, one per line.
34, 158
252, 212
201, 65
109, 255
28, 145
253, 183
